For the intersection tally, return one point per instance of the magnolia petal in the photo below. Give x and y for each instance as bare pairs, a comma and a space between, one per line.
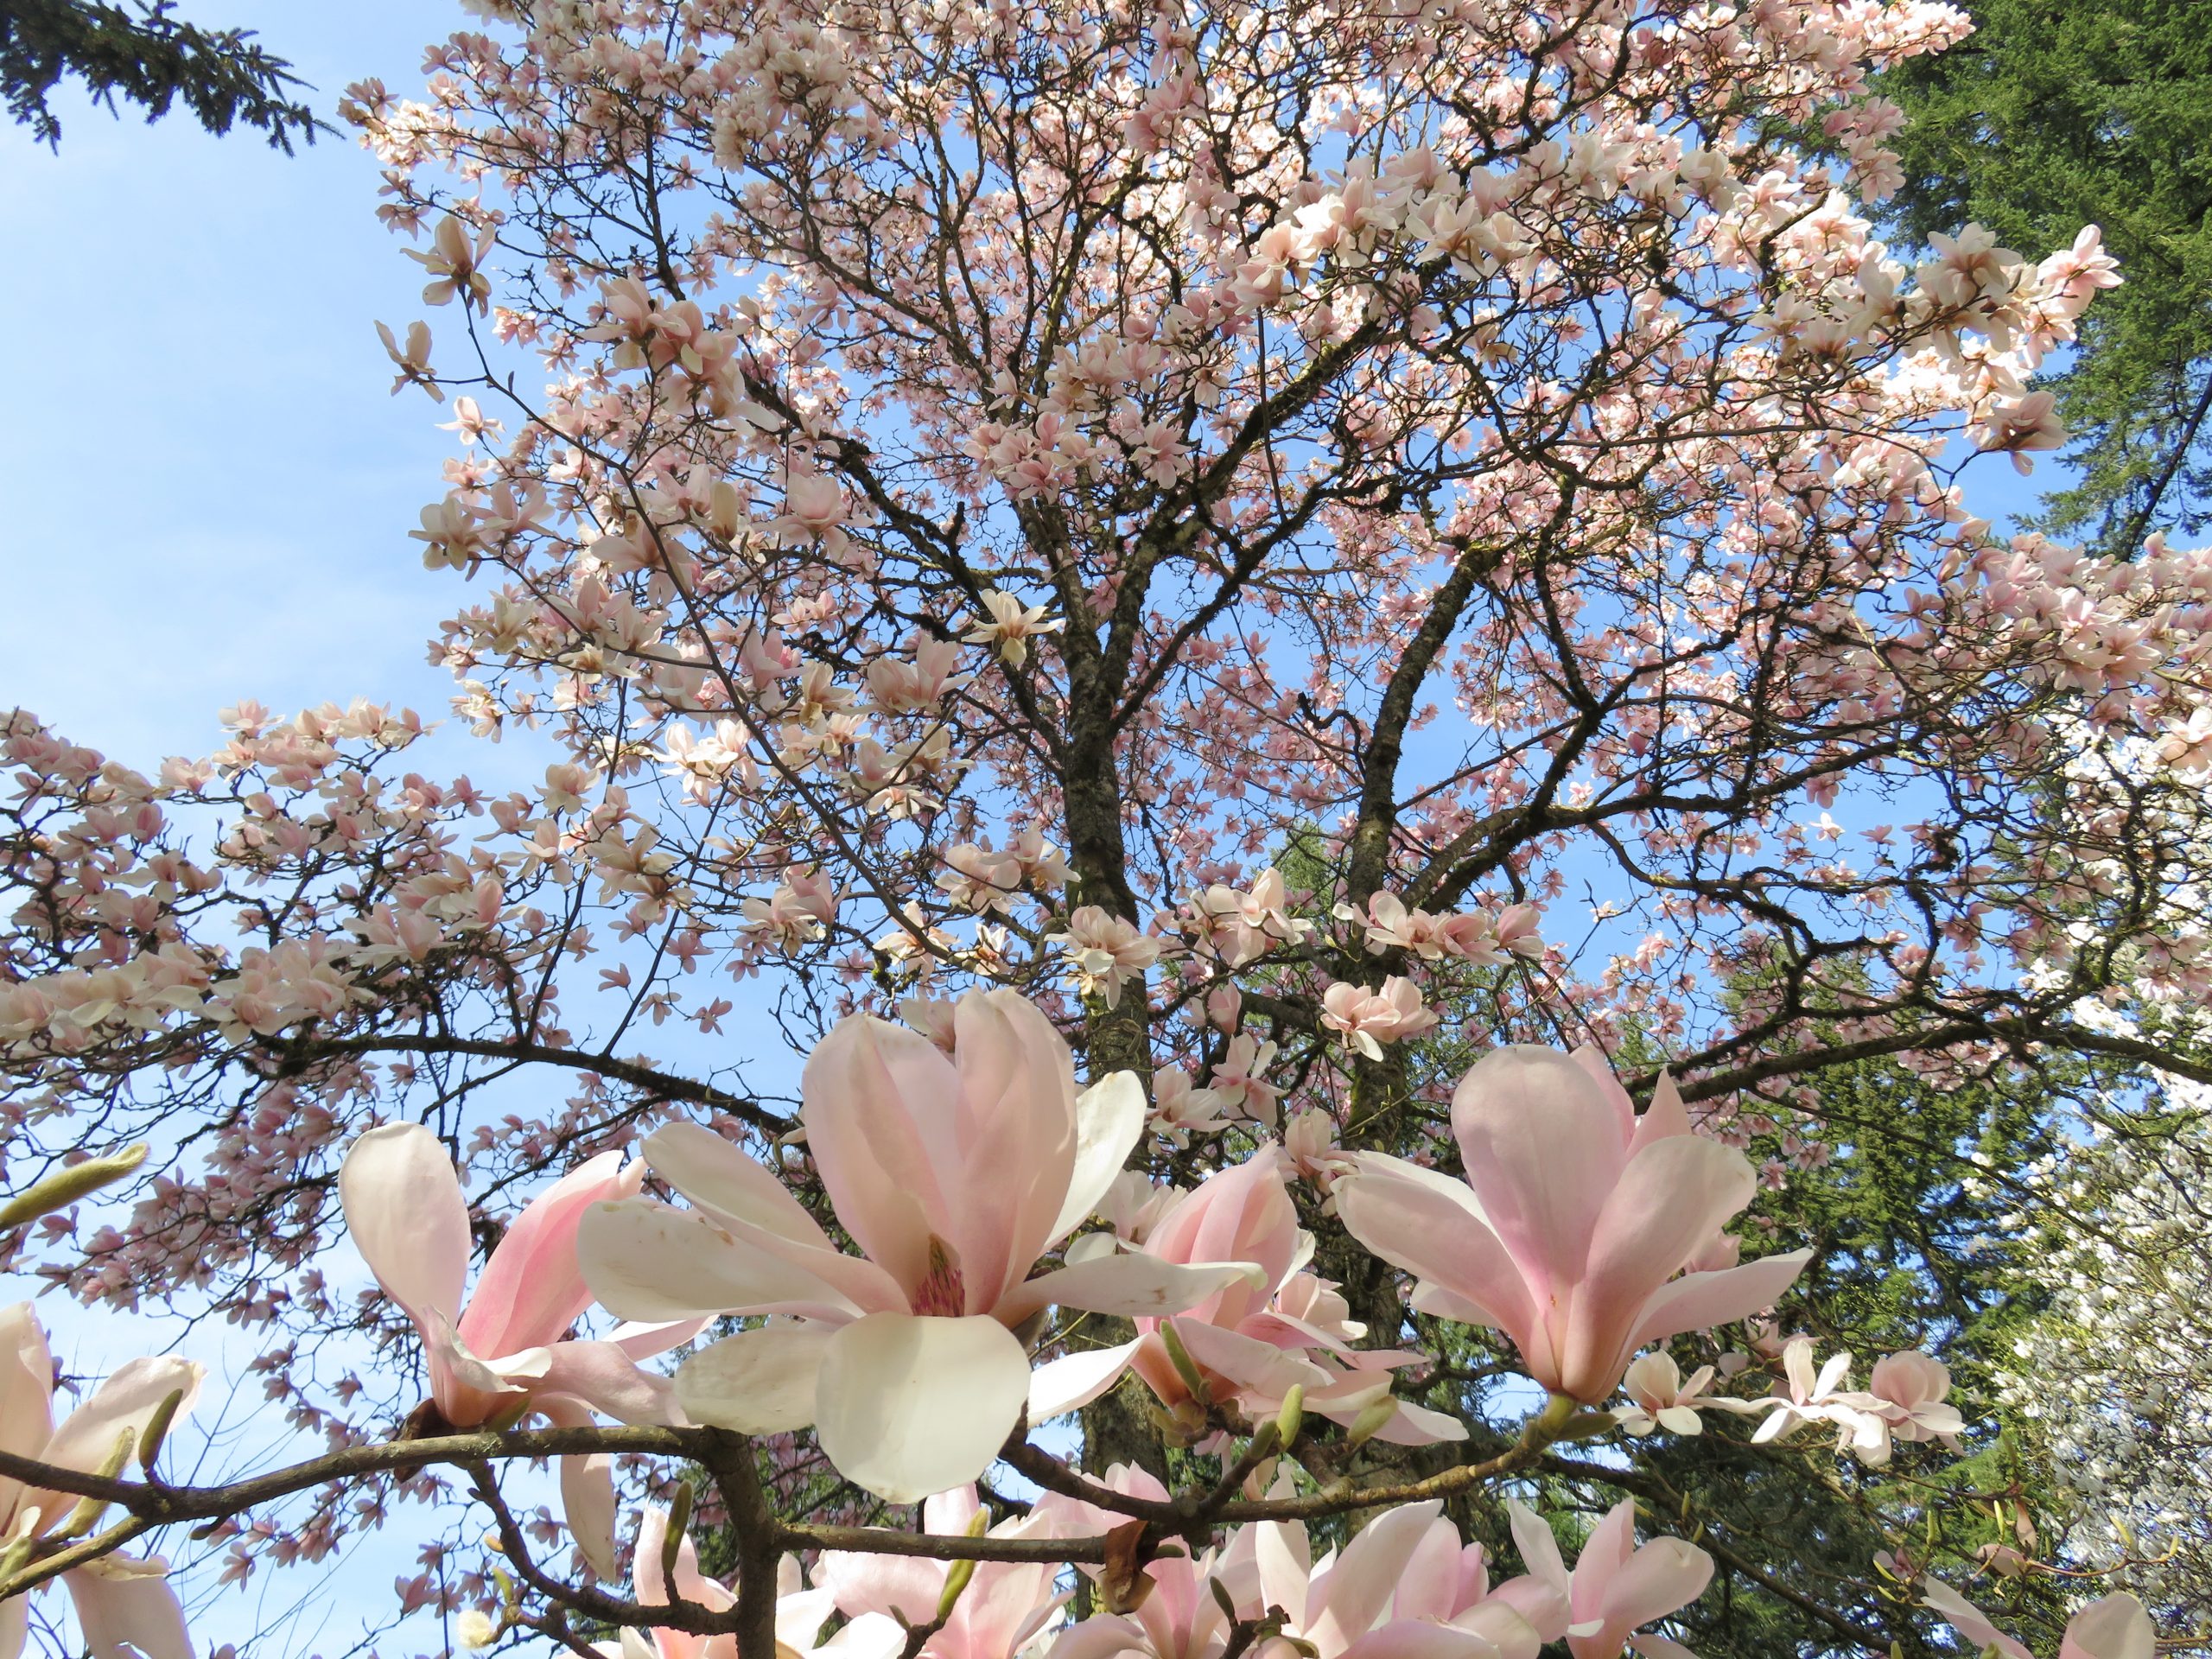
1437, 1233
405, 1210
721, 1178
1663, 1577
587, 1489
126, 1608
26, 1401
644, 1340
1543, 1150
906, 1406
2116, 1627
1698, 1301
14, 1626
868, 1088
1969, 1620
757, 1382
1109, 1121
120, 1408
1416, 1638
1062, 1385
647, 1261
531, 1291
870, 1635
1133, 1286
1366, 1575
605, 1377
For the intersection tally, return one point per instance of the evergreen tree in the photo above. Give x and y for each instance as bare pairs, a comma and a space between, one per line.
151, 60
2053, 114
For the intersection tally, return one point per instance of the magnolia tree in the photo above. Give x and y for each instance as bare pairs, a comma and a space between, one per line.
1182, 598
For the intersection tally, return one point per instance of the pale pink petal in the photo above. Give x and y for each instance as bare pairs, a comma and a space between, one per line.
643, 1341
604, 1376
759, 1381
119, 1409
1134, 1286
532, 1291
647, 1261
1108, 1123
871, 1635
652, 1585
723, 1181
14, 1626
1591, 1059
587, 1491
26, 1396
1969, 1620
1006, 1171
1543, 1149
1604, 1552
1698, 1301
1437, 1234
1664, 1119
1671, 1199
909, 1406
126, 1608
1663, 1577
875, 1094
1359, 1587
405, 1210
1428, 1583
2116, 1627
1418, 1639
1075, 1380
1258, 1366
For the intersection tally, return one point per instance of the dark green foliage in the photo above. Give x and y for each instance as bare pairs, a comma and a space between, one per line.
151, 60
2057, 113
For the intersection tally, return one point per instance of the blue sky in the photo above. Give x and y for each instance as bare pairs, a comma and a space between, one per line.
209, 490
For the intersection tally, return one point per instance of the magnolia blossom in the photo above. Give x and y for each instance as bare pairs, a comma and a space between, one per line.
1106, 951
1005, 1606
2114, 1627
1404, 1584
1618, 1589
800, 1613
953, 1174
1662, 1399
1251, 1342
503, 1354
1242, 925
1373, 1018
124, 1604
1010, 627
1574, 1218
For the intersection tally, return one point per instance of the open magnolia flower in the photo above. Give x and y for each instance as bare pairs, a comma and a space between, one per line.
2114, 1627
1573, 1222
800, 1613
954, 1174
124, 1604
1251, 1342
1619, 1588
1005, 1606
503, 1354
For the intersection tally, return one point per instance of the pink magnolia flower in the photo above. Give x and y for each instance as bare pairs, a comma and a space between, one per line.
1662, 1399
1908, 1392
1618, 1588
1252, 1341
1373, 1018
1404, 1586
125, 1604
1006, 1605
1574, 1217
504, 1353
953, 1174
2113, 1627
1176, 1615
800, 1613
